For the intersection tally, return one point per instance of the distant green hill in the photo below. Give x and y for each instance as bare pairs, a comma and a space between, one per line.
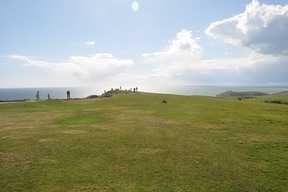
281, 98
241, 94
283, 92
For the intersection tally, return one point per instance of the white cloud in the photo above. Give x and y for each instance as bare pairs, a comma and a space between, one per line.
183, 50
183, 61
255, 68
95, 67
90, 43
261, 27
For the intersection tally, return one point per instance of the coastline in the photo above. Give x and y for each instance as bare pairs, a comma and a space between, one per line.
21, 94
99, 97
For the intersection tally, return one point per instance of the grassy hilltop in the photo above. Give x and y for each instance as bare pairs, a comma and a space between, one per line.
280, 98
134, 142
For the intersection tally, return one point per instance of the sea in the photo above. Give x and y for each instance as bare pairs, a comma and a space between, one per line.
7, 94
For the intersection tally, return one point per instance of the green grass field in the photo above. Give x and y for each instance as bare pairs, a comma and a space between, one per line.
133, 142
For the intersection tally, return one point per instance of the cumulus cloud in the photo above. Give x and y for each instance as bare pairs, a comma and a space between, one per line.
95, 67
183, 45
183, 50
261, 27
182, 61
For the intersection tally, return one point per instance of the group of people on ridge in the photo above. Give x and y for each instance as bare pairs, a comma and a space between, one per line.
49, 96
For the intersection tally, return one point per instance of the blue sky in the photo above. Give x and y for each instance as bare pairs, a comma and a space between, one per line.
51, 43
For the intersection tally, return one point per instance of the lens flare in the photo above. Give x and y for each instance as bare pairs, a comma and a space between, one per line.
135, 6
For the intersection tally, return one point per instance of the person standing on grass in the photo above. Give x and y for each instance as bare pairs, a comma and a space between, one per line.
68, 95
49, 96
37, 95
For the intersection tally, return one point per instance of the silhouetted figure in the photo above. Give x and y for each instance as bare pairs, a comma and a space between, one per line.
68, 95
48, 96
37, 95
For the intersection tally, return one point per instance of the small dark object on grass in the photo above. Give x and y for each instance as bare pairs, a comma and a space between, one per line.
278, 102
164, 101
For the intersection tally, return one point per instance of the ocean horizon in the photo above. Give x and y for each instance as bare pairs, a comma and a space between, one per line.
82, 92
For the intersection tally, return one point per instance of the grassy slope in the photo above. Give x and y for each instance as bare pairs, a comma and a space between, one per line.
133, 142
